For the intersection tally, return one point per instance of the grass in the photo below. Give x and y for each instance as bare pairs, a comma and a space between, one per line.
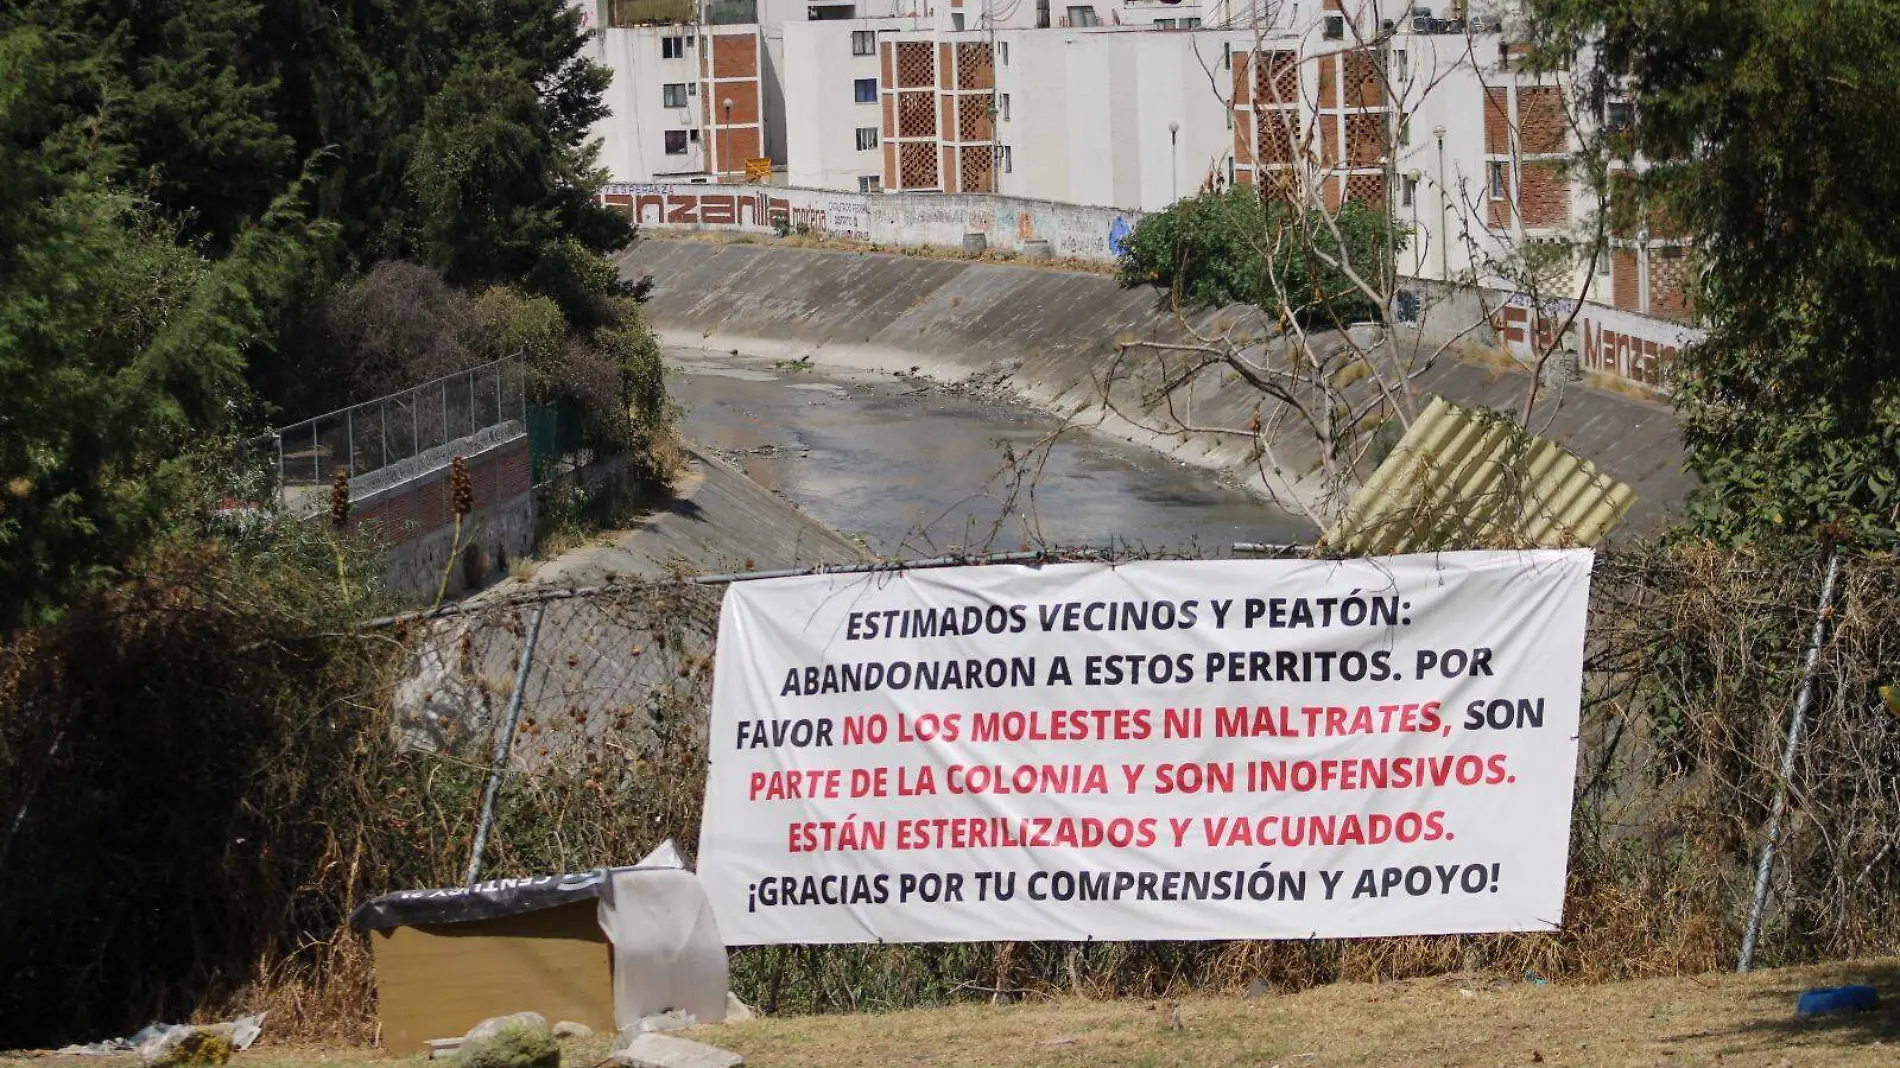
1730, 1020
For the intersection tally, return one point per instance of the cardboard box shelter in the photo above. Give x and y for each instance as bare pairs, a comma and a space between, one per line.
603, 948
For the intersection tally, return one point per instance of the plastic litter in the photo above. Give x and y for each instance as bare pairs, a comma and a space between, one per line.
243, 1031
1822, 1001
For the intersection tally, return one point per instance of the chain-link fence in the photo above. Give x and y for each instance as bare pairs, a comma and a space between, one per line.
406, 426
1694, 661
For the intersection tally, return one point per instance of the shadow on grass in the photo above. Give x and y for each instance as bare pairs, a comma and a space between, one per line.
1778, 1026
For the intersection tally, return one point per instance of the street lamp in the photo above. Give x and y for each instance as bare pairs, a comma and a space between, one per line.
727, 104
1444, 236
1174, 165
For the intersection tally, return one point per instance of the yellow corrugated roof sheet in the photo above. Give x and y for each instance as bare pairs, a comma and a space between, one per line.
1464, 479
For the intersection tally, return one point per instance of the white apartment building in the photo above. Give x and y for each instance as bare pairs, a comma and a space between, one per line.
1425, 115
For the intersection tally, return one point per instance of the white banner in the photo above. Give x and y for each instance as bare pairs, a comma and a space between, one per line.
1161, 750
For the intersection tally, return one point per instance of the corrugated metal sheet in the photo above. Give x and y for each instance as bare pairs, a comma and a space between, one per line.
1464, 479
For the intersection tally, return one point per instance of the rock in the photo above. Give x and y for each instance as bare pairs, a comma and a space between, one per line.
738, 1011
520, 1040
569, 1029
666, 1051
187, 1047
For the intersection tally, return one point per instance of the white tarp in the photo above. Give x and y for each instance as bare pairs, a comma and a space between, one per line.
668, 955
1160, 750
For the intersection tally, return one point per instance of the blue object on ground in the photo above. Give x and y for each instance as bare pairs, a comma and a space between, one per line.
1830, 999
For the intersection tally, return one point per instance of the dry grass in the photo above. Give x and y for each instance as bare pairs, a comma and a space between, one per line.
1715, 1019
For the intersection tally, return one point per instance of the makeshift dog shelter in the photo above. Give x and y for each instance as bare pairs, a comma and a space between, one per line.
603, 948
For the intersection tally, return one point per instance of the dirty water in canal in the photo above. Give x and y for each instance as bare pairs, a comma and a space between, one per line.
915, 468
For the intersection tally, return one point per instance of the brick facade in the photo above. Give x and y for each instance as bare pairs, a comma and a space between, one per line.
1544, 201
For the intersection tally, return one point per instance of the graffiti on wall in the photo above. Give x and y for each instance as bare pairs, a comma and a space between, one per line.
1603, 339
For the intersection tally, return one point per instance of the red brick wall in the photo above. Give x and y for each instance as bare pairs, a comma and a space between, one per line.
496, 477
1497, 125
1541, 126
1545, 199
735, 55
1623, 281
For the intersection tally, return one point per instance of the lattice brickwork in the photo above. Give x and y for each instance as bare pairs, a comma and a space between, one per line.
1368, 189
1276, 78
975, 165
974, 69
917, 164
915, 66
917, 115
973, 118
1278, 132
1365, 139
1363, 86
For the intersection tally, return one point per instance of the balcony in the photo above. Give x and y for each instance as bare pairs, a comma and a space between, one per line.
730, 12
623, 13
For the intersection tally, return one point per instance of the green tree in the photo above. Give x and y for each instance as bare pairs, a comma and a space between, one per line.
120, 347
1764, 126
1231, 246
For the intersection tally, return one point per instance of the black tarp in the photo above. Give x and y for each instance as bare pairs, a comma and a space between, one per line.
483, 901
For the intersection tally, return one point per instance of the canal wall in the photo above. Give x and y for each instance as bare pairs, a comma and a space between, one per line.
1051, 336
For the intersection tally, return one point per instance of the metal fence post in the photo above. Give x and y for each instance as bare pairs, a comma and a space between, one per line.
349, 434
1803, 701
504, 744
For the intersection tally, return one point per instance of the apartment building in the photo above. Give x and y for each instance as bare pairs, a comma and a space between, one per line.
1131, 105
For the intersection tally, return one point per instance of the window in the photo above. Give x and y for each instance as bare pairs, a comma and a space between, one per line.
1227, 56
1400, 70
1164, 24
676, 142
1497, 180
1616, 115
673, 95
1002, 53
865, 90
1408, 195
1009, 163
867, 138
863, 42
1002, 106
1405, 131
870, 183
1335, 28
693, 135
956, 20
1190, 24
1083, 16
672, 48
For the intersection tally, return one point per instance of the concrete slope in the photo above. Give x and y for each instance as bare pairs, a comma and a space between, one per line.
1052, 335
717, 522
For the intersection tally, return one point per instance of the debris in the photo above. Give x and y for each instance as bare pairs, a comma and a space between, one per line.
569, 1029
666, 1051
1536, 1057
1258, 989
738, 1011
1467, 992
441, 1049
1065, 1040
1823, 1001
670, 1020
1535, 980
241, 1032
187, 1047
518, 1040
1175, 1023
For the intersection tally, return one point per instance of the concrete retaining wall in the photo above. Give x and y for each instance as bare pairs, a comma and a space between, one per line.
1053, 334
415, 522
1604, 339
